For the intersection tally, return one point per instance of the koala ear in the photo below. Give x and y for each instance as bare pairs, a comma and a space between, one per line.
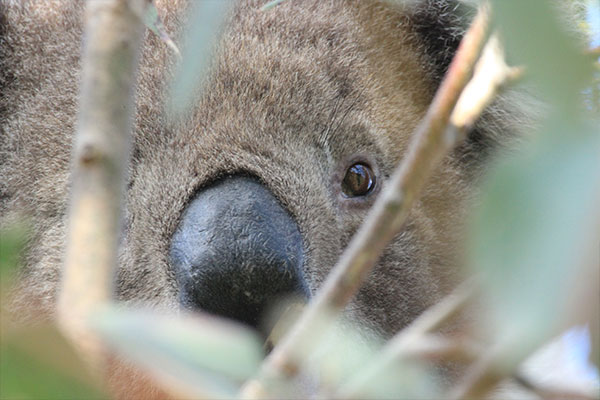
439, 26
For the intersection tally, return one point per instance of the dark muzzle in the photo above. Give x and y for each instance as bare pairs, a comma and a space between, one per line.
237, 251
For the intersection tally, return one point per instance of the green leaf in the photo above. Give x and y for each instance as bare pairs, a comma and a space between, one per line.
205, 21
271, 4
539, 207
204, 354
37, 363
555, 63
12, 240
154, 23
533, 223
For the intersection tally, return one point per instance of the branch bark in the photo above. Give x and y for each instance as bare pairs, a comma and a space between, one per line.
100, 155
430, 144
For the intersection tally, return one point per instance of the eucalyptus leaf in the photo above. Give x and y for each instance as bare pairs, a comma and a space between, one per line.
539, 207
200, 39
12, 240
342, 357
534, 218
555, 61
37, 363
271, 4
154, 23
205, 354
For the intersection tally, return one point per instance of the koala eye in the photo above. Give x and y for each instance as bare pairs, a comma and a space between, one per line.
358, 181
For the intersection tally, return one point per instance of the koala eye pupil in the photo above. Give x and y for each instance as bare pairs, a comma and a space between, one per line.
358, 181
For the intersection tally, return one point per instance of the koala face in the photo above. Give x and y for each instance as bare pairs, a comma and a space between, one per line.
254, 195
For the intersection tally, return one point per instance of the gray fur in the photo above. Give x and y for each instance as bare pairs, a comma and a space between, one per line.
295, 94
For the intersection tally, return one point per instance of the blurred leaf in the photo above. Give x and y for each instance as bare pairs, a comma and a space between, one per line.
338, 365
411, 380
154, 23
555, 63
271, 4
540, 206
12, 240
202, 354
402, 379
535, 215
340, 354
201, 34
37, 363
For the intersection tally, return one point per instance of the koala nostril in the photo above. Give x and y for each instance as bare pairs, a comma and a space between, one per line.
237, 251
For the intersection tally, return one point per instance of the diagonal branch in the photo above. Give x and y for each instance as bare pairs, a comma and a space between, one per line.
430, 144
491, 74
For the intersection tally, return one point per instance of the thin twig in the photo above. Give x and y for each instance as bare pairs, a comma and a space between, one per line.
386, 218
482, 377
491, 75
551, 393
100, 155
401, 345
493, 367
438, 348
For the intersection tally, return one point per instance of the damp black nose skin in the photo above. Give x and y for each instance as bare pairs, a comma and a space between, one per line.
236, 251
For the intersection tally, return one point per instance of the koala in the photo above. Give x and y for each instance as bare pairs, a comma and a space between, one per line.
254, 194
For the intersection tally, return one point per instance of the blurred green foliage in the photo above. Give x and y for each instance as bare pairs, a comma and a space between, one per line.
202, 354
540, 206
12, 240
35, 362
154, 23
200, 39
538, 209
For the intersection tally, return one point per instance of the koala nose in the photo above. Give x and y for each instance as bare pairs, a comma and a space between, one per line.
237, 251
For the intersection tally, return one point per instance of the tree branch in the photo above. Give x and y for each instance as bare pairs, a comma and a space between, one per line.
430, 144
491, 74
100, 155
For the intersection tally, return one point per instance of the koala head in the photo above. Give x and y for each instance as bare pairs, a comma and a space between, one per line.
305, 114
255, 193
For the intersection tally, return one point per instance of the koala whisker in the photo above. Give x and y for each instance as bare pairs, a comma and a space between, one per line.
351, 106
325, 133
